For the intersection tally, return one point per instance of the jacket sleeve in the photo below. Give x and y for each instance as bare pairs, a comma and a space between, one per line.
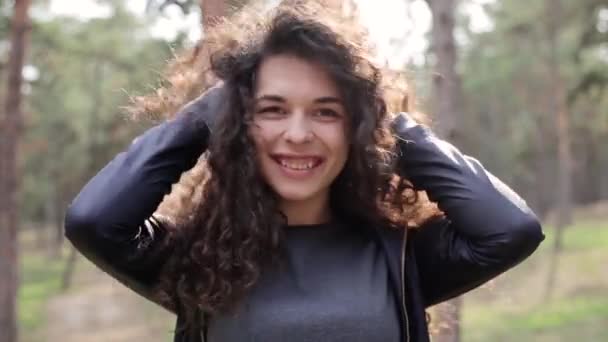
110, 221
487, 230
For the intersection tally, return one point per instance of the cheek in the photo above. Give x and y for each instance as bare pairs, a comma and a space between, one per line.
256, 138
337, 141
342, 154
263, 132
261, 142
259, 137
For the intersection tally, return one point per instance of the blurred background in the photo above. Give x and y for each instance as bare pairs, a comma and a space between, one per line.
519, 84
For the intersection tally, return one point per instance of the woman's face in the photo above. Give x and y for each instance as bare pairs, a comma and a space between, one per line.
300, 128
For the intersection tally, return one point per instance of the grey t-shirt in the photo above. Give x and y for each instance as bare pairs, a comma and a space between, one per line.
334, 286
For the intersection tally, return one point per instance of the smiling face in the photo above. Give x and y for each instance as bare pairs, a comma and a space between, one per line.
300, 134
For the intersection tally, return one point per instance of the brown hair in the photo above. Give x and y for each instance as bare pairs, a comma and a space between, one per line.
222, 235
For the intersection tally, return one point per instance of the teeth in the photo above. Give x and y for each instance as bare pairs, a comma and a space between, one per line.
297, 164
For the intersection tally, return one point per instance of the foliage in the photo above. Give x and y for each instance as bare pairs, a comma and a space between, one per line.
592, 45
507, 87
87, 70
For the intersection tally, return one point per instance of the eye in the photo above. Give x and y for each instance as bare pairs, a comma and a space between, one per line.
327, 114
271, 110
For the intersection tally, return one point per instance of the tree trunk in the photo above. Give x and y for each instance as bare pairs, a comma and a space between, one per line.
447, 85
9, 137
446, 106
602, 140
211, 12
95, 129
68, 271
58, 216
559, 109
544, 165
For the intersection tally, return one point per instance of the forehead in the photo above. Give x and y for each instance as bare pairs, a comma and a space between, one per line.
290, 76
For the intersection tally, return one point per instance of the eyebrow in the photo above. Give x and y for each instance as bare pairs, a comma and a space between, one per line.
274, 98
328, 99
277, 98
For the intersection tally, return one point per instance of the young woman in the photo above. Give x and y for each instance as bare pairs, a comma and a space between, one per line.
308, 217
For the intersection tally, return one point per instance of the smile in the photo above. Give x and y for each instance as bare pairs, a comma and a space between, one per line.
299, 164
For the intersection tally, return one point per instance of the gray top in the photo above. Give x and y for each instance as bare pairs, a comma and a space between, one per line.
334, 286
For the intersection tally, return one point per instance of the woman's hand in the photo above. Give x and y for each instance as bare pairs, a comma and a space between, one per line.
110, 221
208, 106
488, 228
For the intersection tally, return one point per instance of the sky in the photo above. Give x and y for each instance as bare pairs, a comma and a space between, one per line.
385, 23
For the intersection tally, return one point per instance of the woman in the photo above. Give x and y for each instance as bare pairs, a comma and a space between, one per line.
307, 218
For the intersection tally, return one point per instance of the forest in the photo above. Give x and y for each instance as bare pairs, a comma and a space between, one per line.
525, 92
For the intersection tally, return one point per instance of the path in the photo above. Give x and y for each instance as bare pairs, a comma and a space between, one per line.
99, 309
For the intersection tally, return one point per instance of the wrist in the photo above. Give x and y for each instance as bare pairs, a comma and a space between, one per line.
407, 128
204, 110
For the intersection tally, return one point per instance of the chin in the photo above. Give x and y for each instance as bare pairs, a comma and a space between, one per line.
294, 194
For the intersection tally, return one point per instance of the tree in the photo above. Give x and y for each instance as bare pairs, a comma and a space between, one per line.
211, 11
446, 95
535, 85
447, 92
558, 107
9, 138
75, 124
594, 34
588, 95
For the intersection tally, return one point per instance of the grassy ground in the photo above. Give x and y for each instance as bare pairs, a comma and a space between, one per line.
510, 308
95, 308
40, 280
514, 308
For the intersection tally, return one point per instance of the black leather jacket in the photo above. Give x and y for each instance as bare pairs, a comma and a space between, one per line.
487, 230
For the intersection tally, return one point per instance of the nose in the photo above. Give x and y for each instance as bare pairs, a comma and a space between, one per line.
298, 129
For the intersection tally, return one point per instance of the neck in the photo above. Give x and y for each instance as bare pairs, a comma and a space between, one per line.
310, 211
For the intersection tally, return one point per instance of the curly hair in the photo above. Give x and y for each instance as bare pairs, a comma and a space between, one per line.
224, 223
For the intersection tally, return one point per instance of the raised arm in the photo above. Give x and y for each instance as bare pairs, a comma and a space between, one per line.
110, 221
488, 227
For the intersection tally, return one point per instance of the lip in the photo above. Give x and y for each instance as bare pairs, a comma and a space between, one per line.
295, 156
297, 174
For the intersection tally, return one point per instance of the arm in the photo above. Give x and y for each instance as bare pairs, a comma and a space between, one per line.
488, 228
110, 220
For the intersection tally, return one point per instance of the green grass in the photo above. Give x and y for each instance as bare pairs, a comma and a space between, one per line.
554, 319
40, 280
513, 308
580, 236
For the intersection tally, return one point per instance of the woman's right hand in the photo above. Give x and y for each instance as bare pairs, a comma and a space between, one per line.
110, 221
208, 106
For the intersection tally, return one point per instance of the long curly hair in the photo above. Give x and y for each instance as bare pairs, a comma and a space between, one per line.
223, 220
